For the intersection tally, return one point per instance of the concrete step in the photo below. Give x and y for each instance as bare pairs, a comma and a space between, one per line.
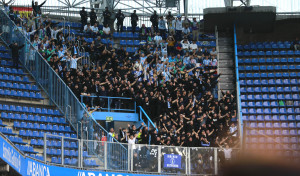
225, 49
227, 86
227, 78
226, 63
226, 56
226, 71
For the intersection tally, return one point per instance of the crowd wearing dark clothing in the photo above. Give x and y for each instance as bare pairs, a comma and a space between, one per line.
176, 88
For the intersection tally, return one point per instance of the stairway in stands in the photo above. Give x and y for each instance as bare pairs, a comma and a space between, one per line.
25, 116
226, 62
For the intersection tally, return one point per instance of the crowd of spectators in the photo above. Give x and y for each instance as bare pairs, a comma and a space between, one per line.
176, 88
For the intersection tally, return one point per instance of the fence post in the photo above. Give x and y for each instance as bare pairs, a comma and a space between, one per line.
131, 148
80, 157
159, 159
62, 151
216, 160
189, 160
45, 147
105, 155
186, 161
129, 157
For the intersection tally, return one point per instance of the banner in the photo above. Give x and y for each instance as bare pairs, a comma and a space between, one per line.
23, 10
172, 161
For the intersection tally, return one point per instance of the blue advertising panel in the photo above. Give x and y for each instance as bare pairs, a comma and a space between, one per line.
172, 161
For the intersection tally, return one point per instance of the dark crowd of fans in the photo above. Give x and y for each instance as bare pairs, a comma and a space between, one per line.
173, 79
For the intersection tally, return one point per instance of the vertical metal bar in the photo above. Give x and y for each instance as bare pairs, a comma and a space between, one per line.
216, 160
62, 151
45, 147
80, 157
128, 157
159, 159
131, 156
134, 106
108, 104
186, 161
189, 161
105, 155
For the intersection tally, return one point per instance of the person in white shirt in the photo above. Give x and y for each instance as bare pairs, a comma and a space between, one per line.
186, 31
87, 28
54, 32
95, 30
132, 139
185, 45
233, 129
193, 46
106, 31
213, 52
73, 63
178, 28
157, 39
171, 26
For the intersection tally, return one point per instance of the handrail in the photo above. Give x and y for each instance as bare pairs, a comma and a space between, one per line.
148, 118
238, 92
78, 107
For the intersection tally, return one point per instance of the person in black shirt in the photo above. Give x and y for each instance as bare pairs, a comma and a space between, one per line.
134, 20
154, 21
120, 18
36, 8
106, 16
15, 53
93, 17
83, 16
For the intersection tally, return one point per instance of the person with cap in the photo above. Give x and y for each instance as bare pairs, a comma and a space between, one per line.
106, 16
83, 16
120, 18
134, 20
93, 17
36, 8
15, 53
154, 21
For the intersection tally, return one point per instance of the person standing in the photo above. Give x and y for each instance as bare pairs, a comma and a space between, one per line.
106, 16
195, 28
178, 28
120, 18
93, 17
83, 15
134, 20
36, 8
162, 27
15, 53
154, 21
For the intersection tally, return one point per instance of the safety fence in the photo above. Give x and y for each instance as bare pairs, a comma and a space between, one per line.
102, 154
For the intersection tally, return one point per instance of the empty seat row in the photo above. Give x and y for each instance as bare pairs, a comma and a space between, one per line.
35, 118
268, 53
269, 75
24, 148
132, 42
277, 132
40, 134
271, 118
13, 78
271, 111
90, 163
270, 68
10, 70
269, 89
269, 82
36, 156
26, 109
267, 104
23, 94
126, 35
273, 97
67, 161
16, 139
37, 126
19, 86
273, 124
261, 46
272, 140
7, 131
54, 151
269, 60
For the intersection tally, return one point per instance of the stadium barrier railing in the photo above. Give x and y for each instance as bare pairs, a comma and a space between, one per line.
138, 158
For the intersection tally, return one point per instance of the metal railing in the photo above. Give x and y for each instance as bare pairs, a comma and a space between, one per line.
54, 87
138, 158
146, 119
108, 104
238, 92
